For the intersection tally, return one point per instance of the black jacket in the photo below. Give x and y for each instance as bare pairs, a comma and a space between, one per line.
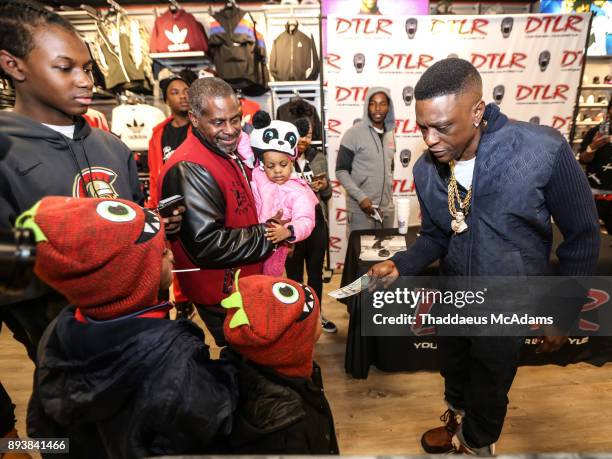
598, 171
294, 56
43, 162
318, 165
238, 51
133, 387
282, 415
299, 108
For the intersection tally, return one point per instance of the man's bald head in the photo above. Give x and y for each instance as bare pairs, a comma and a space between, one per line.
449, 76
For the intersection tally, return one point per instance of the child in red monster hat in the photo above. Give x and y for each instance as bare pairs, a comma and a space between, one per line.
114, 375
273, 324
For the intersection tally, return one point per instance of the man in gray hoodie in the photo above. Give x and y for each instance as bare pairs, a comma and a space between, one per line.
364, 165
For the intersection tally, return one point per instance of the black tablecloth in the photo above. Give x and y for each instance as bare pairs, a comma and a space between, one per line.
414, 353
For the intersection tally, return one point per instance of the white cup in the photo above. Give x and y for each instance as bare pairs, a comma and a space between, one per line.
403, 214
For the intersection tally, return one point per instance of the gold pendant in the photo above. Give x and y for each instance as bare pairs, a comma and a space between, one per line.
458, 224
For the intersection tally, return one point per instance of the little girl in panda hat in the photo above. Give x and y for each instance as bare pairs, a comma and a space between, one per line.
279, 193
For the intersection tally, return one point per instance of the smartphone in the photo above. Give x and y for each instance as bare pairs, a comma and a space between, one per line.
166, 206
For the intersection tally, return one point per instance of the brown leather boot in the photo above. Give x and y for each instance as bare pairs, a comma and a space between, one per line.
13, 434
439, 440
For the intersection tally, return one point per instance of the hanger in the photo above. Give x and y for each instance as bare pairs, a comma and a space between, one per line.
230, 4
291, 25
239, 93
296, 96
91, 12
174, 6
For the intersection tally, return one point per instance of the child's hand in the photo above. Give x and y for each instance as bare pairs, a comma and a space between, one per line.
277, 233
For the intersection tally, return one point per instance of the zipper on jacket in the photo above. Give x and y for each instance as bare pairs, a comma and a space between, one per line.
292, 71
382, 191
473, 207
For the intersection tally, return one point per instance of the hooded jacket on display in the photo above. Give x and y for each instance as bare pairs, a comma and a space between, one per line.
523, 175
238, 51
131, 387
364, 165
294, 56
177, 32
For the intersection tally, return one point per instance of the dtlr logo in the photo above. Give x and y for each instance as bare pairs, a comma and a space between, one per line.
351, 94
404, 61
554, 24
459, 26
542, 92
363, 26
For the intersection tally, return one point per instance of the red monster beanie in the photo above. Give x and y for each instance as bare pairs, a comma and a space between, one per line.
103, 255
273, 322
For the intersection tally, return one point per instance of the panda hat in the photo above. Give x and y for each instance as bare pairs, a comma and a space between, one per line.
268, 135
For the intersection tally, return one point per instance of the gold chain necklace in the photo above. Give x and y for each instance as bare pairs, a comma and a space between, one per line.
458, 224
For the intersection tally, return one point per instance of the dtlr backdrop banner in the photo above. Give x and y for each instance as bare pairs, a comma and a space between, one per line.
530, 66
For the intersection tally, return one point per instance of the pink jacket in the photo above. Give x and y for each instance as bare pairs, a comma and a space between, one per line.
294, 197
245, 151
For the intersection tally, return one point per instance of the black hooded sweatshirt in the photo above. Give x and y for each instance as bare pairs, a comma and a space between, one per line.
42, 162
131, 387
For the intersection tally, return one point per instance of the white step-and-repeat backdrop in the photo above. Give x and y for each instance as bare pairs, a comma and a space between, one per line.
530, 65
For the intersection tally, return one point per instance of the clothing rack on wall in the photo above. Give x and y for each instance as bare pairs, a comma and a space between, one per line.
177, 61
308, 19
84, 19
284, 91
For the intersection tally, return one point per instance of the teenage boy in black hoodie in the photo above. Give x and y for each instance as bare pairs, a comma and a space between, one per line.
114, 375
54, 151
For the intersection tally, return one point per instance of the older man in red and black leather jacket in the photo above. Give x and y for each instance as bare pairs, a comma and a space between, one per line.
220, 231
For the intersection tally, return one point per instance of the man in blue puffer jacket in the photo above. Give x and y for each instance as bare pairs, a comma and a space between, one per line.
507, 180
